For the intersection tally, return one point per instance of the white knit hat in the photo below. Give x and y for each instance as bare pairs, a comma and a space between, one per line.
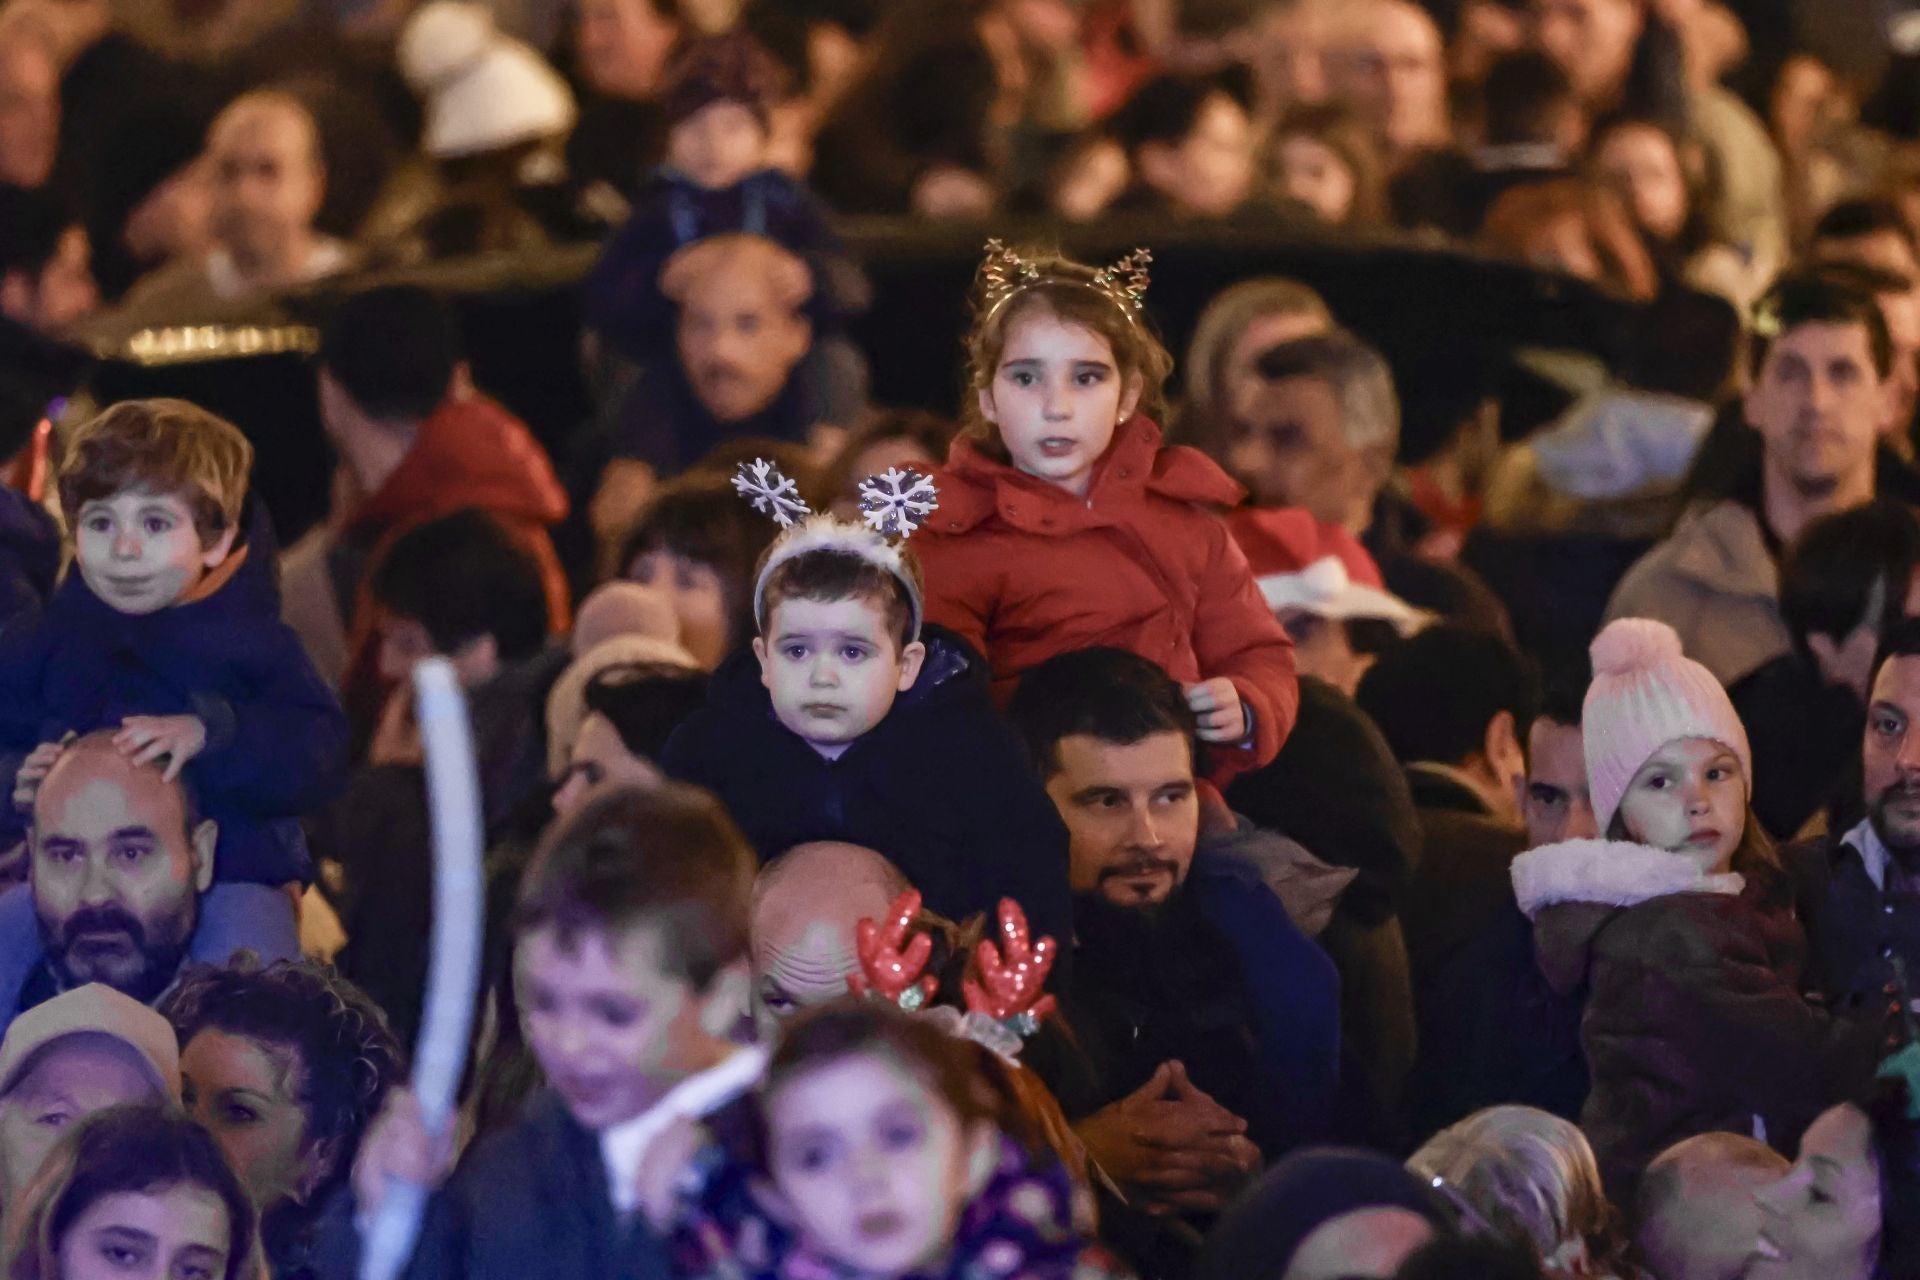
1646, 693
483, 90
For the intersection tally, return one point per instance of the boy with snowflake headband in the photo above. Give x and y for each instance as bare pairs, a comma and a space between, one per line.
850, 720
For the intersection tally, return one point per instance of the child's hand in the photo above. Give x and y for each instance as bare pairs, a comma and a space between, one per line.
1216, 704
398, 1148
147, 738
33, 771
664, 1160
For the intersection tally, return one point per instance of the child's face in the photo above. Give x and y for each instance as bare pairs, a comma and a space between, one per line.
719, 145
1689, 798
140, 552
699, 599
870, 1165
1056, 397
833, 667
612, 1030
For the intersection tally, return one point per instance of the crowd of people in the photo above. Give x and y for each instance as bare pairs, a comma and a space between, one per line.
1155, 818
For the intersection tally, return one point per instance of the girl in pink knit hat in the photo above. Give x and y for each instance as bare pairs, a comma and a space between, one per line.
1678, 929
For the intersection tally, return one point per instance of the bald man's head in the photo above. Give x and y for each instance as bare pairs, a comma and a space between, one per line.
1697, 1215
741, 329
268, 180
806, 906
117, 867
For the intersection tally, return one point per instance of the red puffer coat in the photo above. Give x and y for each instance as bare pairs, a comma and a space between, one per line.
1024, 570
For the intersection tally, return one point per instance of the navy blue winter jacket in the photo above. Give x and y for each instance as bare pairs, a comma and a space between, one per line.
941, 787
276, 737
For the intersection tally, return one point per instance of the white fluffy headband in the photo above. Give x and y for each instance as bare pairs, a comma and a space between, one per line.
892, 505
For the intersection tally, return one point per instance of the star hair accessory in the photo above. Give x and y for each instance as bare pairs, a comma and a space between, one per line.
1004, 273
892, 505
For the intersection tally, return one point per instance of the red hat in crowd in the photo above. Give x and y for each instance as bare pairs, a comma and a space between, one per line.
1304, 565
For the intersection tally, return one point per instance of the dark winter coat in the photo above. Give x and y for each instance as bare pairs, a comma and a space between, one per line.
530, 1202
941, 787
622, 294
1230, 987
276, 738
1805, 735
1855, 928
29, 562
1694, 1020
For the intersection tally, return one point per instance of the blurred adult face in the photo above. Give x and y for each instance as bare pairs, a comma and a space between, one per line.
1210, 172
115, 873
1241, 383
1291, 452
623, 46
267, 182
1822, 1221
74, 1077
738, 343
1592, 40
1395, 72
698, 596
599, 760
1132, 815
1890, 756
1639, 162
1557, 804
1818, 404
246, 1093
29, 111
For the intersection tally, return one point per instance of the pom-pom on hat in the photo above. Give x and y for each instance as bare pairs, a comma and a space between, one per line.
484, 91
1646, 693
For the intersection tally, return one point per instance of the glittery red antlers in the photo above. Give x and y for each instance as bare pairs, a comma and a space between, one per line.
891, 962
1013, 976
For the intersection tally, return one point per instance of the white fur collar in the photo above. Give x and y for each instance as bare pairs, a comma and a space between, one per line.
1612, 872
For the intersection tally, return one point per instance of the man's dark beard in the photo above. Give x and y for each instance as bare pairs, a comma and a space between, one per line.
160, 962
1905, 855
1141, 941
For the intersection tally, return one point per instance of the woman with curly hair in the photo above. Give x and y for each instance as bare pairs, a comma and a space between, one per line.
285, 1066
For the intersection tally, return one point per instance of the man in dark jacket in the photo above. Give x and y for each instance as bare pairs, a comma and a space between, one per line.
1847, 580
1207, 1020
1862, 890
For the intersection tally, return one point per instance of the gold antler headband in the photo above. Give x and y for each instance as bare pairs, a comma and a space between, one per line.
1004, 273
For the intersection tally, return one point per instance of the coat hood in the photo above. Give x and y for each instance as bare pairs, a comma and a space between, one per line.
1722, 548
1573, 890
470, 452
974, 484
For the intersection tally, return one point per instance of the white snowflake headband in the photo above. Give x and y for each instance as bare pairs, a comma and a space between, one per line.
892, 505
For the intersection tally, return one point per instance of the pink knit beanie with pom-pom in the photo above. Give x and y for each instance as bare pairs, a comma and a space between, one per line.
1645, 694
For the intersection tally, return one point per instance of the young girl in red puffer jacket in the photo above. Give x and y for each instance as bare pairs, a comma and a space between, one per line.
1064, 522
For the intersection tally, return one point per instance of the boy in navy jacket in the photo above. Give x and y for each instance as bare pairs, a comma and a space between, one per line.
169, 631
852, 722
